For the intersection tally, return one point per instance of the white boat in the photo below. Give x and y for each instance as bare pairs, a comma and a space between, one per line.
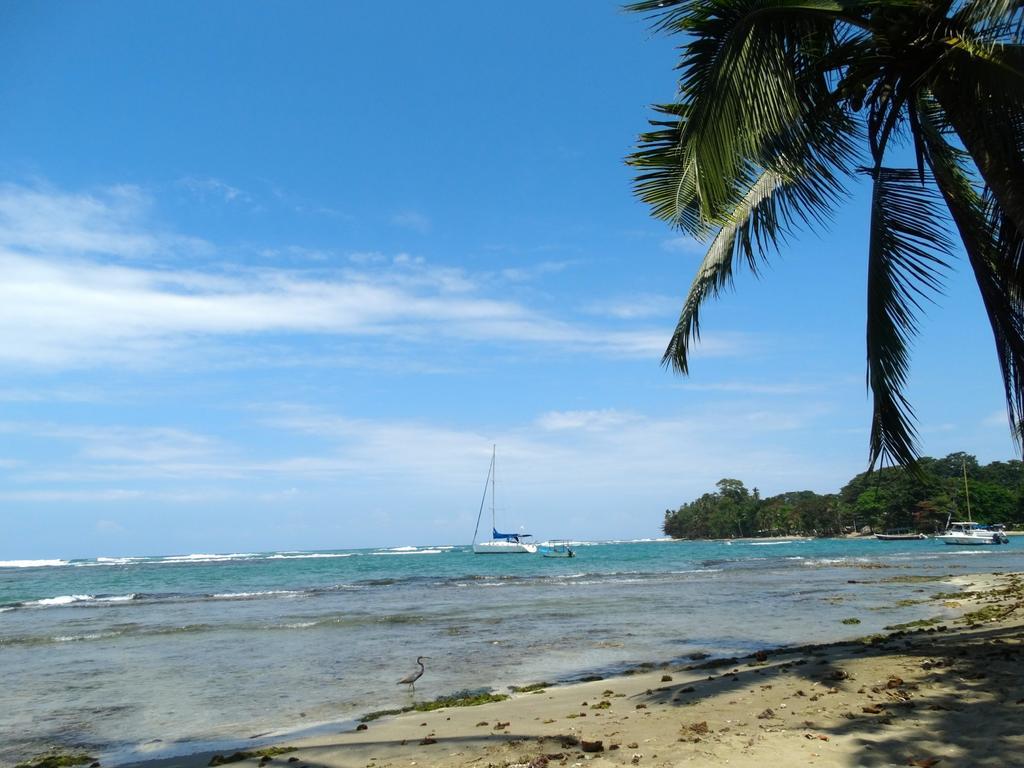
900, 534
969, 533
500, 543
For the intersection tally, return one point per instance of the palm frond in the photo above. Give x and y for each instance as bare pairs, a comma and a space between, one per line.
749, 81
994, 17
995, 249
716, 269
668, 182
904, 262
759, 222
986, 109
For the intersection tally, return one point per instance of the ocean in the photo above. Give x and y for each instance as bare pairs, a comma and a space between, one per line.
145, 657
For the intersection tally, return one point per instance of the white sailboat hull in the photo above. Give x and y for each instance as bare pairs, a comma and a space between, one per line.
502, 547
500, 543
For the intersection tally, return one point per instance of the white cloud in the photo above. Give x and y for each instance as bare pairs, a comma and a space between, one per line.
51, 495
996, 419
570, 459
589, 420
534, 271
636, 307
110, 527
751, 387
414, 220
211, 187
42, 220
131, 444
64, 304
685, 244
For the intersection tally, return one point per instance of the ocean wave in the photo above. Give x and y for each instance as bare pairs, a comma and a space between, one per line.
81, 638
62, 600
312, 555
250, 595
32, 563
204, 558
413, 551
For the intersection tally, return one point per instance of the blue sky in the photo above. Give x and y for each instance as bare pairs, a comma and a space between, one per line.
277, 276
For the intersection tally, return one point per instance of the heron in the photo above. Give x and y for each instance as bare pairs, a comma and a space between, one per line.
412, 677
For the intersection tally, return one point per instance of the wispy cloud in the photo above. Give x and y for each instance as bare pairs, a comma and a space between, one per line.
107, 444
42, 220
751, 387
685, 244
635, 307
577, 459
589, 420
996, 419
413, 220
534, 271
64, 303
208, 187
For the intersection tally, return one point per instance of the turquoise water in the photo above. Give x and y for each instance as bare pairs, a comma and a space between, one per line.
154, 656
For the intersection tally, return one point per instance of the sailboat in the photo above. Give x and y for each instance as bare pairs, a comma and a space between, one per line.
500, 543
969, 533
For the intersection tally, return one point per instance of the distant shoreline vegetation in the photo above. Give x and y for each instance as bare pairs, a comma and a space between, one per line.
884, 499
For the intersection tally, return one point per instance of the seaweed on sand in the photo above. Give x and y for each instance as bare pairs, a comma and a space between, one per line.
56, 759
461, 699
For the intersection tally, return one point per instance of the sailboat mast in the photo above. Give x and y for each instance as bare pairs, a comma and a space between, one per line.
494, 469
967, 493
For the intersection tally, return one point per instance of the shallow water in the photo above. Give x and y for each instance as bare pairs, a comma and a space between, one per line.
154, 656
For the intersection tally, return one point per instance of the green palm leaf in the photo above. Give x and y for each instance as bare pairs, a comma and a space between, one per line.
904, 260
995, 249
772, 96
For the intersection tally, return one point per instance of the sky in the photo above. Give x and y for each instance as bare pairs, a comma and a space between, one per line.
278, 276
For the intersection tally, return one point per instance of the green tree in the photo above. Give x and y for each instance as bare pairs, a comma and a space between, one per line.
775, 99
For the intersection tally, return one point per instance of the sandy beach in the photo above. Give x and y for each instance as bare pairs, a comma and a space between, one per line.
947, 694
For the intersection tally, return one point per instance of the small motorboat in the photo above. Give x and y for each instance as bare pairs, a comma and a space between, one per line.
556, 549
900, 534
971, 534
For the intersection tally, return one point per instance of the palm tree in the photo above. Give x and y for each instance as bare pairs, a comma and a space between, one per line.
783, 103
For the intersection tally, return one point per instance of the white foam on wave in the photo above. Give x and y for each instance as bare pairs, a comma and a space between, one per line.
48, 602
402, 549
116, 598
413, 551
77, 638
62, 600
310, 556
774, 543
204, 558
31, 563
244, 595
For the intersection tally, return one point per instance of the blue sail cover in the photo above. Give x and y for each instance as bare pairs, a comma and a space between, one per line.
507, 536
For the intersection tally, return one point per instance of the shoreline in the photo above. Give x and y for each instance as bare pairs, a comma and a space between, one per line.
942, 691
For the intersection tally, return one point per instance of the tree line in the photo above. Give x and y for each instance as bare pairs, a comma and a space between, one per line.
883, 499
